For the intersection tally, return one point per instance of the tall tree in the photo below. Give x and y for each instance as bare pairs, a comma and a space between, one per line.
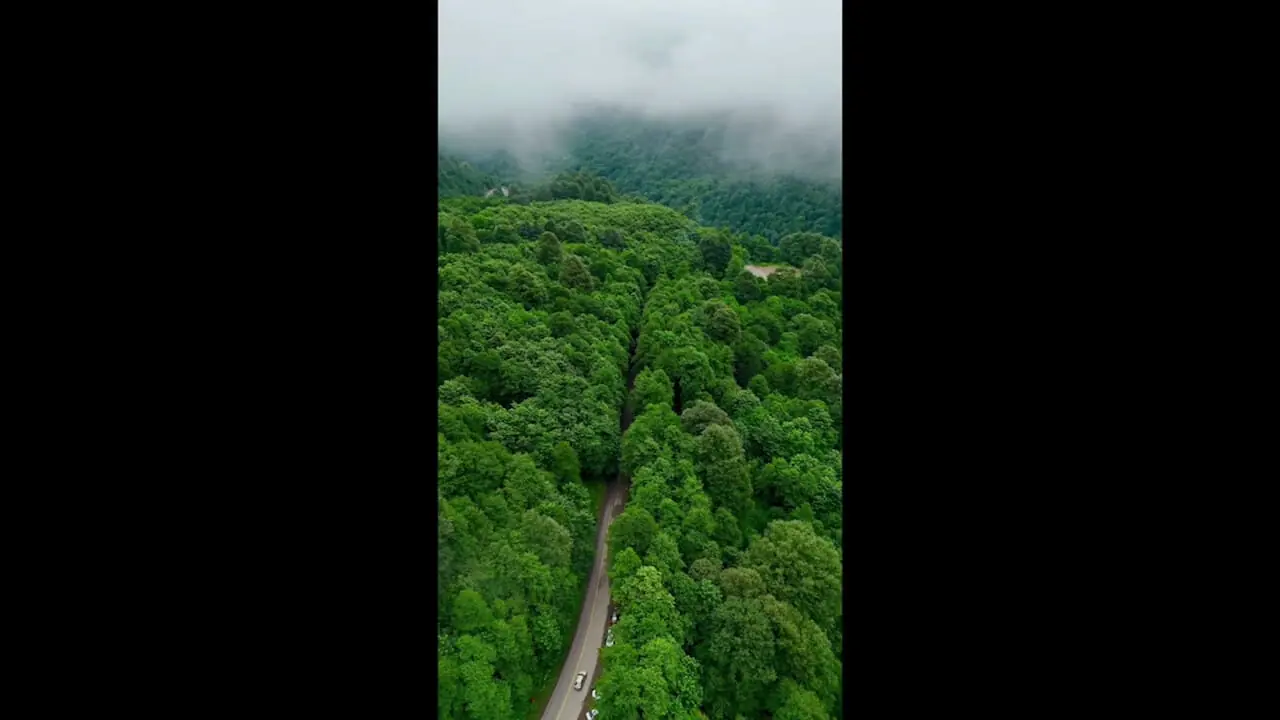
549, 250
739, 658
564, 464
801, 568
574, 274
722, 466
634, 528
716, 251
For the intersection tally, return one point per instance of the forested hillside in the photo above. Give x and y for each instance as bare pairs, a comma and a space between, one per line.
458, 177
535, 318
726, 563
683, 166
727, 560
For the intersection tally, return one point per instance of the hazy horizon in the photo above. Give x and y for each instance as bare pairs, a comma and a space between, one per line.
512, 74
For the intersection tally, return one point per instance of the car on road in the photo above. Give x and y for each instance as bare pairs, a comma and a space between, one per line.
578, 679
592, 715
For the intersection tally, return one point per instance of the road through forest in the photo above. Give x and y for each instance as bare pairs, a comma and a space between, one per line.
584, 654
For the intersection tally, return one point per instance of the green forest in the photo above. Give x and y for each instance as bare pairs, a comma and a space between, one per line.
683, 166
457, 177
572, 306
680, 165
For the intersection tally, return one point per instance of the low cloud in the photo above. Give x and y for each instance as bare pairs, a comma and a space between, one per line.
512, 72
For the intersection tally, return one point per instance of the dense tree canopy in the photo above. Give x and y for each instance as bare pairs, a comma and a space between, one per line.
685, 167
735, 501
725, 564
694, 168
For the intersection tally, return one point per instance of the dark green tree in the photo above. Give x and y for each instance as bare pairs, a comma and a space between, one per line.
800, 568
549, 250
574, 274
701, 415
723, 468
564, 464
720, 322
634, 528
716, 252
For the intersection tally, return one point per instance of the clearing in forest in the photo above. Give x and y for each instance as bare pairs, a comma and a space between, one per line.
762, 271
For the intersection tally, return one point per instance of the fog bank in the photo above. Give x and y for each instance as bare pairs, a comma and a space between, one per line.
512, 72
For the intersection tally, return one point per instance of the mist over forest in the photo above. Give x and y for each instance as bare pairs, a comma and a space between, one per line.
514, 72
720, 105
640, 348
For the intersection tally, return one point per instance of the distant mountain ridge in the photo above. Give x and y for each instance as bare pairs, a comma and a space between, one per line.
696, 169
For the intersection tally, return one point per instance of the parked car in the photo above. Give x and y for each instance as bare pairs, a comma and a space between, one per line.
578, 680
614, 619
592, 715
608, 641
594, 695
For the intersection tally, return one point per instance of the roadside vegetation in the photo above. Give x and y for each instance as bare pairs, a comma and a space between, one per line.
727, 563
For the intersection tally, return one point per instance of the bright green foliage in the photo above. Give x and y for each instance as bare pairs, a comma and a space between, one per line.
525, 484
456, 235
726, 561
658, 681
664, 555
799, 704
649, 610
804, 652
624, 564
532, 385
722, 465
654, 435
470, 612
690, 368
801, 481
800, 567
635, 528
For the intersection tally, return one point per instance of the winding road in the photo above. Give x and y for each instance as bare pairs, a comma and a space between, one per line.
584, 654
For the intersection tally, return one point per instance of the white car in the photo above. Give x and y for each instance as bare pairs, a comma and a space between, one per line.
592, 715
578, 680
608, 641
594, 695
615, 617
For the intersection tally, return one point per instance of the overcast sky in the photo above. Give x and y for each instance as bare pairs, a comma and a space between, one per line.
525, 64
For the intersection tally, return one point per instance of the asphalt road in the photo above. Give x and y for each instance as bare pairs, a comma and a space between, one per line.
584, 654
